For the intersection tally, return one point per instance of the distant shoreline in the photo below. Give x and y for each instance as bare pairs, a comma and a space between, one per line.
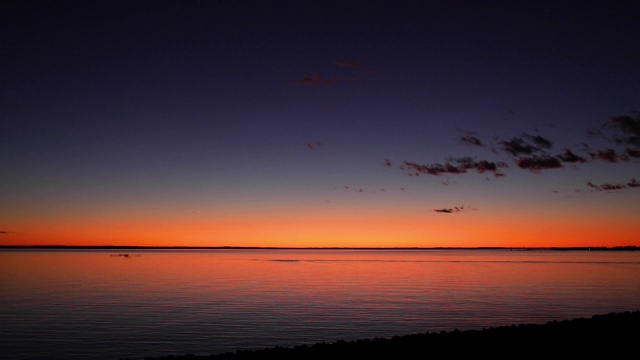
134, 247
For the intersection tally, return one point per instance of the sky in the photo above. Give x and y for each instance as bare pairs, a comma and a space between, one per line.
320, 123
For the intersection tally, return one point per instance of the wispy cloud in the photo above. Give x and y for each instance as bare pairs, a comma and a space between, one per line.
353, 67
538, 163
541, 141
454, 209
314, 145
608, 155
444, 210
470, 139
362, 190
629, 127
570, 157
347, 64
632, 153
315, 79
606, 186
453, 166
632, 183
526, 145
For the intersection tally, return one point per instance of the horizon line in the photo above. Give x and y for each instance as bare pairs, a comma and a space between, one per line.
148, 247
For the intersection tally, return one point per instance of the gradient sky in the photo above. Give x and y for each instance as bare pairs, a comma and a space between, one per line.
320, 123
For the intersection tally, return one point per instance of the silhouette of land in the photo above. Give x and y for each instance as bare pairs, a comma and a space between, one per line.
608, 336
135, 247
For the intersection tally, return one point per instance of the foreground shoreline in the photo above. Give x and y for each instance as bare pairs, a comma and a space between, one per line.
611, 336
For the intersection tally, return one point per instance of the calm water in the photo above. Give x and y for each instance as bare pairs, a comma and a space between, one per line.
91, 304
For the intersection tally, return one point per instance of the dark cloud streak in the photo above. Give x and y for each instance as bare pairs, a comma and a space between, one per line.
526, 145
570, 157
632, 183
314, 146
608, 155
629, 127
469, 139
347, 64
537, 163
606, 186
315, 79
443, 210
454, 209
453, 166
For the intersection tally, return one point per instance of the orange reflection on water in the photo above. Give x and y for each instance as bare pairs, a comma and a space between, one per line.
316, 277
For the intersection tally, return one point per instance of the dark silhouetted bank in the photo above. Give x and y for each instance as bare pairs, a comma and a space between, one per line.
610, 336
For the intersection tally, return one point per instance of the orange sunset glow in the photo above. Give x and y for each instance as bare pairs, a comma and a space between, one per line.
366, 230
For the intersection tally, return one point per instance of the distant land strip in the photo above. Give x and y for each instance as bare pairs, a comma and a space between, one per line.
135, 247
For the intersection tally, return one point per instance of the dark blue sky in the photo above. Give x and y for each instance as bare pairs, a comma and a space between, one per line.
231, 108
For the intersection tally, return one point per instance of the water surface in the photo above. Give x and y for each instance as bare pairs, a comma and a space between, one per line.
93, 304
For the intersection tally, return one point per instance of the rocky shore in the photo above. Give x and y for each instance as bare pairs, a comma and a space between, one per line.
607, 336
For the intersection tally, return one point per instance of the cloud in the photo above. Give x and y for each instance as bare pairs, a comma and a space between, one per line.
454, 209
347, 64
570, 157
606, 186
447, 181
631, 153
443, 210
366, 190
453, 166
526, 145
531, 152
314, 145
542, 142
481, 166
629, 127
517, 146
5, 232
632, 183
315, 79
417, 169
353, 66
609, 155
470, 139
622, 130
537, 163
